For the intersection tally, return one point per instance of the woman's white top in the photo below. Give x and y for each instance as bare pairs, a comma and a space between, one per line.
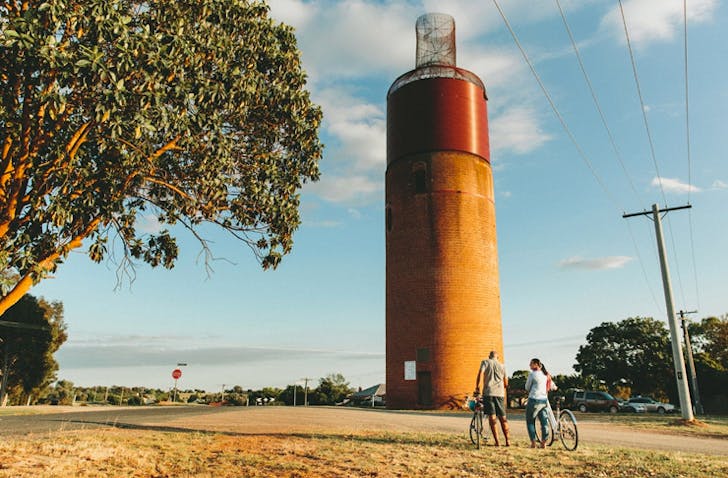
536, 385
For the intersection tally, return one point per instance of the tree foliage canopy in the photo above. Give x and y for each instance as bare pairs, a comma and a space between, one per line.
635, 350
332, 389
27, 353
190, 111
710, 336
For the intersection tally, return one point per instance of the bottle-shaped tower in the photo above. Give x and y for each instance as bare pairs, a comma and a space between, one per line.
443, 299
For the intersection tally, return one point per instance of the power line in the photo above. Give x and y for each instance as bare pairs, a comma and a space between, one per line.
581, 152
642, 266
617, 154
692, 253
689, 155
652, 146
612, 141
642, 103
687, 101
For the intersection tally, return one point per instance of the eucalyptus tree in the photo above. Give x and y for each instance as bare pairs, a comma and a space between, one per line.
185, 111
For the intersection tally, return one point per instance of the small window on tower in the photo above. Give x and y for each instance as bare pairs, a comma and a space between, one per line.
420, 181
419, 177
389, 218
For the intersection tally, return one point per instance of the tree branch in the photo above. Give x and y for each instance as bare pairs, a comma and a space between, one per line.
46, 264
169, 186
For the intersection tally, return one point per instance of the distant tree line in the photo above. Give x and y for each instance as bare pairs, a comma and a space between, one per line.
330, 390
634, 357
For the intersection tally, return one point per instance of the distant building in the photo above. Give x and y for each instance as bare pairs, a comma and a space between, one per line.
372, 396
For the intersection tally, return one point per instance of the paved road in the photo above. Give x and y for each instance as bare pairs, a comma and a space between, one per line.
289, 420
93, 417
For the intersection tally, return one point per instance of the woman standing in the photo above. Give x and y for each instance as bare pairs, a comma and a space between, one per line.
537, 388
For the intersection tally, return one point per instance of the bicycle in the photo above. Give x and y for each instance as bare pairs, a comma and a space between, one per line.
565, 427
476, 430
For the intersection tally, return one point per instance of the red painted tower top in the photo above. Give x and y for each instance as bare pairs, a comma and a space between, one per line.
426, 109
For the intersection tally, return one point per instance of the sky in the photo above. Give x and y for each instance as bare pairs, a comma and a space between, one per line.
568, 260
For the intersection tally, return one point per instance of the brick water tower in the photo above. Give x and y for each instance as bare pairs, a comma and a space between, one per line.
443, 299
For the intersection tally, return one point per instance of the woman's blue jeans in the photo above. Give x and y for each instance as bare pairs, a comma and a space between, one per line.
537, 408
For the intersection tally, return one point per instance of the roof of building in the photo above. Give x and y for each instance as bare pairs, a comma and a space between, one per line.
378, 390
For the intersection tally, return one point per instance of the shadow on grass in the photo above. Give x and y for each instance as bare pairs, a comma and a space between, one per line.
453, 441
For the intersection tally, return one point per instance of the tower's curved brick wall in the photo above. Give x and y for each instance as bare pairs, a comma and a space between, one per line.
443, 299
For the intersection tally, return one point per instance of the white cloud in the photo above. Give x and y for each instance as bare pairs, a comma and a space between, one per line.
516, 130
495, 67
656, 20
598, 263
292, 12
114, 355
346, 189
673, 185
718, 184
356, 159
325, 224
354, 213
148, 224
358, 126
351, 38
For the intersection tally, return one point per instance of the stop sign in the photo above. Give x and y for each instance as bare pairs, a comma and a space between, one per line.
176, 373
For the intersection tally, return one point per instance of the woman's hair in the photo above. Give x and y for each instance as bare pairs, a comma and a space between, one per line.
540, 365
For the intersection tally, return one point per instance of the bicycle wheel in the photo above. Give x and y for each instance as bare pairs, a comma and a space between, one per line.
550, 439
477, 433
569, 434
474, 429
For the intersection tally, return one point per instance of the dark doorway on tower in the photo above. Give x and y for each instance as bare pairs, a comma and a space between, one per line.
424, 389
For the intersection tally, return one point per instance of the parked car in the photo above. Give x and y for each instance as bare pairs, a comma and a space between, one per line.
626, 407
652, 405
593, 401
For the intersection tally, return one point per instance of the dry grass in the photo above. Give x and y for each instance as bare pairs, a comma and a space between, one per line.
113, 452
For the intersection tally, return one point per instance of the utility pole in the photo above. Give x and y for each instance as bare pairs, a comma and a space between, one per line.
691, 363
677, 354
294, 393
305, 390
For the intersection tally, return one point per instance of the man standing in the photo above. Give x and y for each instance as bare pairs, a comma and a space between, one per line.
494, 392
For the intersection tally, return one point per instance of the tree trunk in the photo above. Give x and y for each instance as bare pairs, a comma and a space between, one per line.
17, 292
6, 369
26, 282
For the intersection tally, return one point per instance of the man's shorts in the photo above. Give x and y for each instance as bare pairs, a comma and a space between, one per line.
494, 406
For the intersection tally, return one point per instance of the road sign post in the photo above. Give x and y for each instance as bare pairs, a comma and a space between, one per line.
176, 374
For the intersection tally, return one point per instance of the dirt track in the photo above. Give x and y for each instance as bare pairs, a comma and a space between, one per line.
288, 420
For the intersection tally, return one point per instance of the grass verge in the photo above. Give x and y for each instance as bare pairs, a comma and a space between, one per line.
114, 452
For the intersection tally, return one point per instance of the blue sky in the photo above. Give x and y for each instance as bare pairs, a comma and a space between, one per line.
567, 261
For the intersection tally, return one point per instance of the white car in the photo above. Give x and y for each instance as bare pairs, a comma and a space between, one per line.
652, 405
627, 407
